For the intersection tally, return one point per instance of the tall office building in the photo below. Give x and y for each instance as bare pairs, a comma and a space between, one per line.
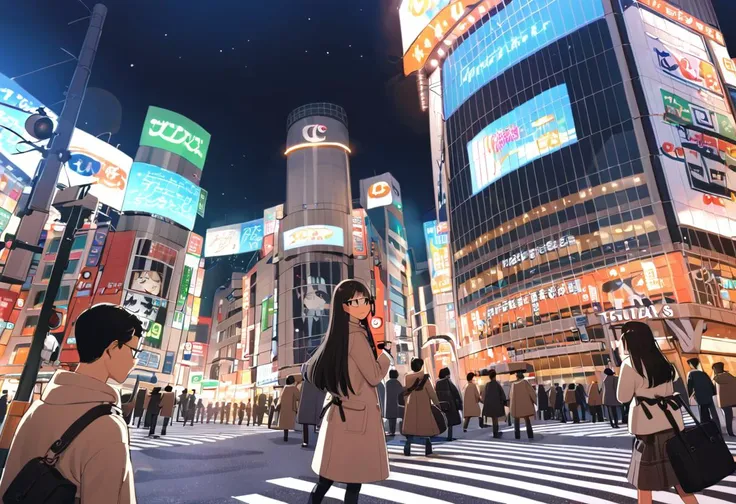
586, 148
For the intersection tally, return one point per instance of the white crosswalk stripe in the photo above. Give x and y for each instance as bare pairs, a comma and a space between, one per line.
502, 471
139, 439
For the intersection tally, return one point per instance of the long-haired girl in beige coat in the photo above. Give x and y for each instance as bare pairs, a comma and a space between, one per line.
351, 447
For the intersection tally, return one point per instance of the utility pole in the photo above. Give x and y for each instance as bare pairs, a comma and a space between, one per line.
74, 205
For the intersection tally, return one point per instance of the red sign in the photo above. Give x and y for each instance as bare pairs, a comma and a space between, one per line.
162, 253
198, 348
684, 19
7, 303
195, 244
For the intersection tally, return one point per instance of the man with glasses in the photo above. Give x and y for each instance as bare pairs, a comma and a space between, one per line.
98, 460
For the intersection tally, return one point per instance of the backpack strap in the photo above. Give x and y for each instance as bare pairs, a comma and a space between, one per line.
61, 444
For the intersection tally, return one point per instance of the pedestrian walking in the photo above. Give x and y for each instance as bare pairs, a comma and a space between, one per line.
494, 402
571, 401
448, 393
287, 407
419, 396
139, 408
248, 412
168, 401
523, 399
223, 412
191, 410
209, 412
582, 399
200, 411
217, 412
311, 402
542, 403
725, 393
3, 406
241, 412
702, 389
236, 409
183, 404
610, 401
507, 391
270, 410
147, 415
647, 378
553, 401
154, 410
381, 391
595, 402
560, 403
471, 402
261, 409
351, 448
393, 409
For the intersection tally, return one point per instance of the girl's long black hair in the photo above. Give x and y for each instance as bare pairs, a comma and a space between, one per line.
327, 369
646, 355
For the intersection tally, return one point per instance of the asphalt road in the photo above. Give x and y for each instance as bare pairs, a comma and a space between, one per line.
226, 464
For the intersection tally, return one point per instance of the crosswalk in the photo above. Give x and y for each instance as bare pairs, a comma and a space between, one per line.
585, 429
499, 471
190, 436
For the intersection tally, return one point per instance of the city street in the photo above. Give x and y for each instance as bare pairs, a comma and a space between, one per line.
584, 463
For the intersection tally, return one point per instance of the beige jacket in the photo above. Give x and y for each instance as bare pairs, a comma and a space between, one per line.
168, 400
725, 390
288, 407
418, 417
522, 399
97, 461
354, 451
471, 401
630, 385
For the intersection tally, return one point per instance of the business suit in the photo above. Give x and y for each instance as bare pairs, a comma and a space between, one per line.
700, 386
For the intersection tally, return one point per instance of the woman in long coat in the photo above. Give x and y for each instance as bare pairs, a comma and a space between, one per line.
288, 407
522, 399
351, 447
542, 402
552, 396
471, 402
494, 402
418, 417
447, 392
595, 403
311, 402
610, 384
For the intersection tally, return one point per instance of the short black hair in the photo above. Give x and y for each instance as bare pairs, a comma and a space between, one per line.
393, 374
100, 326
5, 391
168, 388
718, 367
520, 374
694, 362
290, 380
571, 386
470, 376
608, 371
492, 374
444, 372
417, 364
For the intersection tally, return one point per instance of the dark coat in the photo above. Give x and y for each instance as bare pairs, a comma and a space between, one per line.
448, 392
154, 404
610, 385
3, 406
140, 400
700, 386
542, 399
392, 408
559, 398
191, 406
381, 390
580, 395
494, 400
311, 402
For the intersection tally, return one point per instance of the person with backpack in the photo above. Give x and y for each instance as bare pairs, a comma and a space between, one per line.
419, 396
94, 456
647, 379
448, 393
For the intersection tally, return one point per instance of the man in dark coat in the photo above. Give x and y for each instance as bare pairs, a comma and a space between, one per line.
226, 413
560, 403
209, 412
191, 410
183, 404
248, 412
700, 386
311, 402
393, 410
140, 405
581, 398
448, 393
494, 402
154, 408
261, 409
542, 403
3, 405
200, 411
241, 413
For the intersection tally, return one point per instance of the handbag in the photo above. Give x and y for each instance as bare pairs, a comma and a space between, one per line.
698, 454
39, 481
439, 418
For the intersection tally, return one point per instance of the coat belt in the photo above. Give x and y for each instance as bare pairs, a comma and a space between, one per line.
662, 402
336, 401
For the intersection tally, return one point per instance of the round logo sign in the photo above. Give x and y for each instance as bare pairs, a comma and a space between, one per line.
376, 322
379, 190
188, 346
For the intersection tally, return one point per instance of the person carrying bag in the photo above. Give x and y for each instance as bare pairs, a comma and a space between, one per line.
423, 417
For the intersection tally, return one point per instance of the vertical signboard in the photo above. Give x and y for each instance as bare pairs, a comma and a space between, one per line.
438, 257
244, 343
360, 248
186, 279
167, 130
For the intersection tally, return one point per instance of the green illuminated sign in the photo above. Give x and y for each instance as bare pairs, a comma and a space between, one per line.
202, 202
186, 280
154, 332
175, 133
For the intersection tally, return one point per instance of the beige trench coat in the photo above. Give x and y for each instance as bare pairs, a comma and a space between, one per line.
355, 451
167, 404
522, 399
288, 407
471, 401
594, 395
725, 390
418, 417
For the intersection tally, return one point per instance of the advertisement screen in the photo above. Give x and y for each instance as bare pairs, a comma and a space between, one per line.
360, 250
725, 63
415, 15
534, 129
97, 162
270, 217
234, 239
686, 104
307, 236
161, 192
518, 31
175, 133
438, 257
195, 244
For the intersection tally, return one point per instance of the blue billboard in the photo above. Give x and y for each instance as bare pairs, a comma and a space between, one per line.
154, 190
234, 239
532, 130
518, 31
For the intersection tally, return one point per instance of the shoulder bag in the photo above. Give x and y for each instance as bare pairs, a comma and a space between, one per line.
698, 454
39, 482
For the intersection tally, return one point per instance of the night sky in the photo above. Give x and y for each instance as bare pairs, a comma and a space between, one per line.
238, 67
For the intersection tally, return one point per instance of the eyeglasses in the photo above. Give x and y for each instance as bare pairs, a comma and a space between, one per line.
358, 302
136, 351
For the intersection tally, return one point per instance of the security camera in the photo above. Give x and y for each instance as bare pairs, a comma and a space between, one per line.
40, 126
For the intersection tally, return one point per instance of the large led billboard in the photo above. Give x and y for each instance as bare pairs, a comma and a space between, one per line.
415, 15
234, 239
308, 236
513, 34
161, 192
438, 257
96, 162
175, 133
532, 130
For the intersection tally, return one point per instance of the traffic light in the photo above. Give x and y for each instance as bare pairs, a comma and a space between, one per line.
55, 320
40, 126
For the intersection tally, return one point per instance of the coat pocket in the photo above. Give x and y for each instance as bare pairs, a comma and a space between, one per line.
356, 416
